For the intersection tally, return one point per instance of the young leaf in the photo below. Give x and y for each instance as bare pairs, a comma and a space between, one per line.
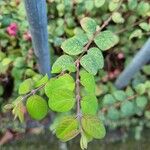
106, 39
64, 82
93, 126
37, 107
72, 46
99, 3
18, 109
62, 100
67, 128
42, 81
63, 63
26, 86
92, 61
83, 141
136, 34
117, 17
145, 26
88, 25
82, 37
88, 81
89, 105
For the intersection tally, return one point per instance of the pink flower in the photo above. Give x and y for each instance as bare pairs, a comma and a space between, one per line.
27, 36
12, 29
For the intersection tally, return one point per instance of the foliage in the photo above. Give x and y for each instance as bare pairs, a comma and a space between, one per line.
96, 39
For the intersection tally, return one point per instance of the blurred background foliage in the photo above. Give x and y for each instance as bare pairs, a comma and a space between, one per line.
127, 109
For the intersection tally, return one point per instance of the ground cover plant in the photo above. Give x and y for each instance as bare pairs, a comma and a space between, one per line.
91, 43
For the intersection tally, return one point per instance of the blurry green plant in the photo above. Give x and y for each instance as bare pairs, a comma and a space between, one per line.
84, 48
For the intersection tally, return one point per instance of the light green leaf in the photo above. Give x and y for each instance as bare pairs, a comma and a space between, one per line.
67, 128
62, 100
146, 69
136, 34
93, 126
63, 82
141, 101
145, 26
88, 81
120, 95
92, 61
42, 81
18, 109
140, 88
72, 46
37, 107
106, 39
26, 86
117, 17
99, 3
113, 5
89, 105
143, 8
88, 25
83, 141
63, 63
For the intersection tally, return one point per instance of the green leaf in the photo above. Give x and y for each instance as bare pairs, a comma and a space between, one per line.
18, 109
65, 82
127, 108
42, 81
140, 88
89, 105
1, 90
88, 81
132, 4
60, 93
92, 61
143, 8
26, 86
108, 100
145, 26
72, 46
99, 3
62, 100
63, 63
82, 37
67, 128
88, 25
117, 17
113, 5
136, 34
120, 95
93, 126
113, 113
146, 69
37, 107
106, 39
141, 101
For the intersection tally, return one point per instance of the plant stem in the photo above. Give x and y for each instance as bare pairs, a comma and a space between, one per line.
32, 92
78, 97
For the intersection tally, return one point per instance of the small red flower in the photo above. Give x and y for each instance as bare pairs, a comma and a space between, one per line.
12, 29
